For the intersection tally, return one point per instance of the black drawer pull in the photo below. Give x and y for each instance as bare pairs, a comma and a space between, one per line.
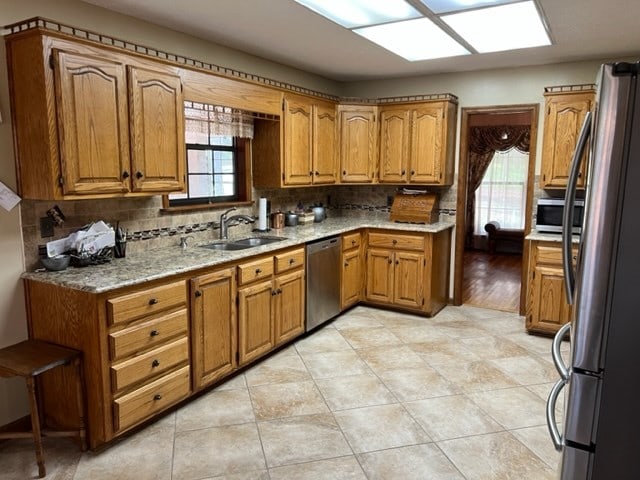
394, 241
157, 397
258, 271
154, 333
155, 363
139, 175
125, 174
353, 242
153, 301
198, 293
292, 261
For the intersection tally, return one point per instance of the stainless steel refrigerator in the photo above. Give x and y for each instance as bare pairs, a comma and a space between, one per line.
600, 432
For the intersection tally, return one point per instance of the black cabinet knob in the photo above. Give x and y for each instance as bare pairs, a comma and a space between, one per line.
153, 301
258, 271
155, 363
198, 293
125, 174
154, 333
317, 173
157, 396
292, 261
344, 172
139, 175
413, 172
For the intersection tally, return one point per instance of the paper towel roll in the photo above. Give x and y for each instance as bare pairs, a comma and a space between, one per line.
262, 214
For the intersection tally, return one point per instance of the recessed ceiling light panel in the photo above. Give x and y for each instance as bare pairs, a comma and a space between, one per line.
357, 13
505, 27
447, 6
418, 39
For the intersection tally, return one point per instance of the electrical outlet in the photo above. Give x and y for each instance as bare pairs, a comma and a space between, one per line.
46, 227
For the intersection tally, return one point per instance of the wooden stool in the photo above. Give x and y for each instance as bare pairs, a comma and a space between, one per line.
29, 359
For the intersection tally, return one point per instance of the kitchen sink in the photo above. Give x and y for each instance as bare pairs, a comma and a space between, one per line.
243, 243
256, 241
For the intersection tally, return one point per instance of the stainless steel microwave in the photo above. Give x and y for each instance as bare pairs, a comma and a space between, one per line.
549, 215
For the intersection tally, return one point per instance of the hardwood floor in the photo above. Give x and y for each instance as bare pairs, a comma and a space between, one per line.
492, 281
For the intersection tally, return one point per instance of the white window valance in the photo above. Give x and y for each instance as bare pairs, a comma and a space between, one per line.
204, 120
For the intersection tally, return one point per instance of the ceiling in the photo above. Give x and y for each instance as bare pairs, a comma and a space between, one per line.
288, 33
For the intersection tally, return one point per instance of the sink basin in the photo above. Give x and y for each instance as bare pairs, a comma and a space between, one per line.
243, 243
226, 246
256, 241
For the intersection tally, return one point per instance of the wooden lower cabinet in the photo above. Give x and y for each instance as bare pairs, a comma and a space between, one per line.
289, 306
351, 275
547, 307
409, 271
214, 329
255, 321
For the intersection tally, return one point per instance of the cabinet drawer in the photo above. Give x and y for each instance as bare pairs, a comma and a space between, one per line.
289, 260
147, 334
256, 270
547, 255
151, 363
351, 240
150, 399
146, 302
405, 242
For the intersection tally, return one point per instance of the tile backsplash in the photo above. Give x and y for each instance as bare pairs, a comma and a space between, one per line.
150, 227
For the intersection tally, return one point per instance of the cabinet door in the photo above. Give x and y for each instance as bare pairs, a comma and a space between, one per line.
255, 321
394, 145
351, 278
562, 124
427, 142
324, 145
379, 276
357, 146
408, 279
91, 102
213, 326
157, 131
289, 306
549, 309
297, 143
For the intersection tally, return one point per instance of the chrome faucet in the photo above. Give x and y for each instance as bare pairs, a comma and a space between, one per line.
225, 222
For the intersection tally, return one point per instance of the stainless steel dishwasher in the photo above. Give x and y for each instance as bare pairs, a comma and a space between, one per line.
323, 281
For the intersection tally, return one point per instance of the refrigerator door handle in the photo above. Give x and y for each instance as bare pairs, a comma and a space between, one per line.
567, 217
551, 414
555, 351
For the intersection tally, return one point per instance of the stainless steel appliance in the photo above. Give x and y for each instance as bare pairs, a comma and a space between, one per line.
600, 435
323, 281
550, 212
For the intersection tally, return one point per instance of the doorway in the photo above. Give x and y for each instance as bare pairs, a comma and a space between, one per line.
476, 272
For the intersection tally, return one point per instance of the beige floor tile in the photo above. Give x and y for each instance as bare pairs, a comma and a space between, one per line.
18, 459
416, 462
286, 400
344, 468
503, 324
391, 319
376, 428
537, 440
473, 312
448, 314
214, 409
512, 407
390, 358
417, 383
238, 382
528, 370
444, 351
495, 456
461, 329
534, 343
370, 337
342, 393
475, 376
278, 369
122, 460
216, 451
257, 475
335, 364
323, 340
413, 334
491, 347
302, 439
451, 417
542, 390
358, 317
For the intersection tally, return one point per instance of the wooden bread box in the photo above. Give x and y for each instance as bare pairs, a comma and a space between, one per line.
415, 208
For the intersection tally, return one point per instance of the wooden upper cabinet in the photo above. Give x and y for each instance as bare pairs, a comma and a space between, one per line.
87, 119
302, 152
298, 119
325, 150
157, 130
417, 143
394, 144
91, 103
358, 144
564, 115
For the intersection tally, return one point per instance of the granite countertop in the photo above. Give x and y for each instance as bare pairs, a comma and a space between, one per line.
164, 262
549, 237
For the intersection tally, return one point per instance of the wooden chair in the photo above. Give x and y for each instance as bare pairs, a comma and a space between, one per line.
29, 359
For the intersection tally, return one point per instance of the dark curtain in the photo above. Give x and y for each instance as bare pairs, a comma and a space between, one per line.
484, 142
